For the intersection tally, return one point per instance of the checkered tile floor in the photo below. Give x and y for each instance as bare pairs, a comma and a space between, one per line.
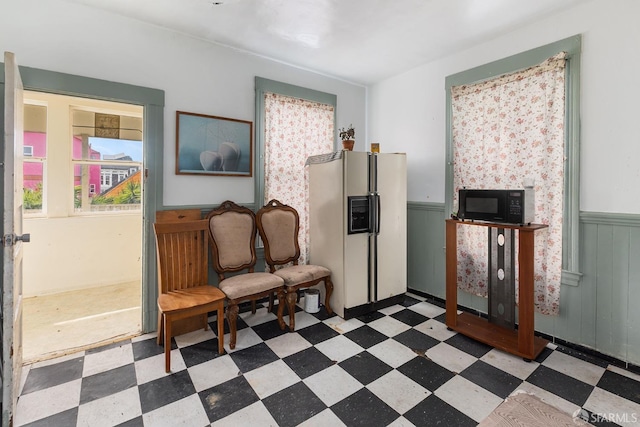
398, 366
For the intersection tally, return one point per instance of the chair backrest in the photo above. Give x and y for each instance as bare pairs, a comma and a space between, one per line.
232, 235
182, 254
279, 225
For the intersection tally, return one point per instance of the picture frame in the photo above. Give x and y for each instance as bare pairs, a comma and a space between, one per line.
212, 145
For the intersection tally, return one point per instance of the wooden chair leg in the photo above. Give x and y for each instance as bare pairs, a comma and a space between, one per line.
159, 338
205, 321
253, 306
167, 343
328, 287
270, 309
220, 319
281, 298
291, 305
232, 316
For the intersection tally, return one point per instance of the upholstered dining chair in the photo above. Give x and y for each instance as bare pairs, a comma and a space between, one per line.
279, 225
232, 232
182, 250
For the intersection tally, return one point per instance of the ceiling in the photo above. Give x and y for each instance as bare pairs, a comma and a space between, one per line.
360, 41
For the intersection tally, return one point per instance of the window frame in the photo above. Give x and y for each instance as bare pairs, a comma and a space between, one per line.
571, 215
263, 86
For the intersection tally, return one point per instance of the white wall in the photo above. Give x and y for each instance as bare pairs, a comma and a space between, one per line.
407, 112
196, 76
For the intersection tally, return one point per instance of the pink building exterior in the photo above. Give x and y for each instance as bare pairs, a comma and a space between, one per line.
33, 170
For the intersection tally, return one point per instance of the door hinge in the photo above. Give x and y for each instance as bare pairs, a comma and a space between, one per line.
12, 239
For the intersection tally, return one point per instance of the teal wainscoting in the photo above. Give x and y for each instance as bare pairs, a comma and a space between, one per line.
600, 313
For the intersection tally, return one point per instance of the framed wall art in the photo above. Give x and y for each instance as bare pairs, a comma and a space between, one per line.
211, 145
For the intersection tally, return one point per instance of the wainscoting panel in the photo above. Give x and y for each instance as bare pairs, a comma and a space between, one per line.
601, 313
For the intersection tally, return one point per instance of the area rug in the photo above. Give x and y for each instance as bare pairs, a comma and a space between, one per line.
524, 409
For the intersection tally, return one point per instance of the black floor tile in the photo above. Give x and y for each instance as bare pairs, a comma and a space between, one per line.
568, 388
270, 329
107, 383
426, 372
240, 324
227, 398
490, 378
370, 317
409, 317
621, 386
52, 375
365, 367
199, 353
147, 348
546, 352
409, 301
441, 318
65, 418
317, 333
253, 357
583, 356
363, 408
416, 340
365, 336
293, 405
469, 345
308, 362
323, 314
165, 390
433, 411
135, 422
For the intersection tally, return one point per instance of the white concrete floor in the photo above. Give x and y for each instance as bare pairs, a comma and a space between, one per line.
58, 324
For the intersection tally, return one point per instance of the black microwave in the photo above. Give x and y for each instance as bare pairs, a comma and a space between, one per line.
506, 206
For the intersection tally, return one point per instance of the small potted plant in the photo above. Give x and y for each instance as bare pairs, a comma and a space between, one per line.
347, 136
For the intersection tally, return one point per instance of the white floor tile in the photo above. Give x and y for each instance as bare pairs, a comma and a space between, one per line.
392, 353
110, 410
185, 412
303, 319
398, 391
271, 378
342, 326
606, 406
245, 338
253, 415
102, 361
509, 363
574, 367
214, 372
415, 296
152, 368
287, 344
40, 404
195, 337
262, 316
468, 398
450, 357
389, 326
548, 397
323, 419
339, 348
427, 309
435, 329
401, 422
332, 384
391, 309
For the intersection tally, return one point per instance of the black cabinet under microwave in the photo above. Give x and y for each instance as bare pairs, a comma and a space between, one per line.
507, 206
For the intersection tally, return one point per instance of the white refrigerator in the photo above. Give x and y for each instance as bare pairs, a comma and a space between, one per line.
358, 227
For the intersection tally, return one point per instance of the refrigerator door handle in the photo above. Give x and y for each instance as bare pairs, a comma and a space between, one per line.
378, 211
372, 213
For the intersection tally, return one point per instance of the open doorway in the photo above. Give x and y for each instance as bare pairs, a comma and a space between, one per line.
83, 207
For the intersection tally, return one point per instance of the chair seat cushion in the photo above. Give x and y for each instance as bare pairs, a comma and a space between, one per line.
188, 298
297, 274
249, 284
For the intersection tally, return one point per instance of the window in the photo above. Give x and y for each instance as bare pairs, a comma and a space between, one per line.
35, 160
105, 162
571, 46
317, 107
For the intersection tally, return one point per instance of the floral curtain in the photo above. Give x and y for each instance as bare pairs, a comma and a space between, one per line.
294, 130
508, 131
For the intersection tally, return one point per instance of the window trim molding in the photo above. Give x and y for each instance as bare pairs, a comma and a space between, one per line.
263, 86
571, 218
